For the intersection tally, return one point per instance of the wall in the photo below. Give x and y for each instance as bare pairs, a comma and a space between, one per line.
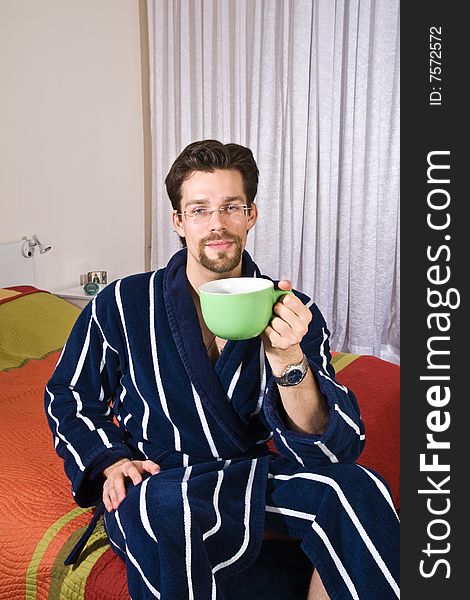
71, 135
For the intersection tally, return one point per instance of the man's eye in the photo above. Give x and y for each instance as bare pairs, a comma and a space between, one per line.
232, 208
199, 211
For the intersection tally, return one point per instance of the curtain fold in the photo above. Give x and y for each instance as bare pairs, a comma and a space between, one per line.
313, 89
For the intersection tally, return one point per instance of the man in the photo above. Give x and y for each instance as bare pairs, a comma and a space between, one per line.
189, 486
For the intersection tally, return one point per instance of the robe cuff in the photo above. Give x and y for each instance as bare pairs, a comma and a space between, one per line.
341, 442
88, 486
105, 460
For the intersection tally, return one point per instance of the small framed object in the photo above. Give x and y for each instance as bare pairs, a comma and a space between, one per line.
100, 277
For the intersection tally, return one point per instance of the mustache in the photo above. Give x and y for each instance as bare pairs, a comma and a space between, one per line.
214, 237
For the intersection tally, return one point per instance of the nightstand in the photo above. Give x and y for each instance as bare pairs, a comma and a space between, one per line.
76, 295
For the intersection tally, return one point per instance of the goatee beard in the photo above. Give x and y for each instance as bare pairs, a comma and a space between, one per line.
224, 263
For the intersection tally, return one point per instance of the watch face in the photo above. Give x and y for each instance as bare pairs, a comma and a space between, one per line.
294, 376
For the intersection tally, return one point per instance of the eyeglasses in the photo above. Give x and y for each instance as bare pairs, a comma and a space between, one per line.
203, 215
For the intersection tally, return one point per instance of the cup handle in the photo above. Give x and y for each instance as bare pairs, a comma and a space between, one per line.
279, 293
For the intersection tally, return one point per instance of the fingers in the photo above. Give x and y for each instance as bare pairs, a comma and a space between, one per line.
290, 323
291, 304
114, 488
150, 467
279, 340
114, 491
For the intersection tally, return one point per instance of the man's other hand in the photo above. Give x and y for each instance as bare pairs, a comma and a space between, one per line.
114, 488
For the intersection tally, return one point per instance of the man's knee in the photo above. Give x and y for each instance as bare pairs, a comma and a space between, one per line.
143, 503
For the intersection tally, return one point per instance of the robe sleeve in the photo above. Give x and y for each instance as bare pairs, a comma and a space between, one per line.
344, 437
78, 406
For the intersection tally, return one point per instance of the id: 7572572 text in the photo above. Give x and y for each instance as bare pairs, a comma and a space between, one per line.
435, 66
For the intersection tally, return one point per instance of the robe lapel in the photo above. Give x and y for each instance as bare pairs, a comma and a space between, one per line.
186, 332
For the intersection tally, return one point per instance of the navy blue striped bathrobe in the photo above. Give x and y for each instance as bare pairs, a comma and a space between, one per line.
134, 380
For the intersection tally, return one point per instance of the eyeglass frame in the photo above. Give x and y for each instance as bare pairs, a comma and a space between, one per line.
221, 210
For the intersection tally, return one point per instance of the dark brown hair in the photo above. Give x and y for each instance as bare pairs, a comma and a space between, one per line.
209, 155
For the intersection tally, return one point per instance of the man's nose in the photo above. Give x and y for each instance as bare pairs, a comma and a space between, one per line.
217, 221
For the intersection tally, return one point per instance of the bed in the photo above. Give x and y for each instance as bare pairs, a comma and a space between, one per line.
39, 521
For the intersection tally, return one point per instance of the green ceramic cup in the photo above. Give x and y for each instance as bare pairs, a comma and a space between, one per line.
238, 308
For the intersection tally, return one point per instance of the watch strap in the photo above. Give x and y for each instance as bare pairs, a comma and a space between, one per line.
286, 381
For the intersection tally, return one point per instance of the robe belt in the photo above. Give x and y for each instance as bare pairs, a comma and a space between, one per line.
80, 545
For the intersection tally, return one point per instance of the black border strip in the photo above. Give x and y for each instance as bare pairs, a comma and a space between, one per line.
434, 255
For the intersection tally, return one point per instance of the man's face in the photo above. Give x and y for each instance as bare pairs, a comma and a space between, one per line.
215, 246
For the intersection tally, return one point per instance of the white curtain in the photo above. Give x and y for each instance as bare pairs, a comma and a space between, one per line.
312, 87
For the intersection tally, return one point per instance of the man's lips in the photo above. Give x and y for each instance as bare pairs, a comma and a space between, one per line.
220, 244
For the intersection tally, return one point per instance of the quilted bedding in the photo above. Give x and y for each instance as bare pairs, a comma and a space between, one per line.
39, 521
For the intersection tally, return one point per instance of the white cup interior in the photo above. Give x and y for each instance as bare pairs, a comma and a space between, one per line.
236, 285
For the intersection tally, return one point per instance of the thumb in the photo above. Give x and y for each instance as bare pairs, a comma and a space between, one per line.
285, 284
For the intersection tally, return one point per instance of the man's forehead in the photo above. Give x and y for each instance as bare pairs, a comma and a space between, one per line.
218, 185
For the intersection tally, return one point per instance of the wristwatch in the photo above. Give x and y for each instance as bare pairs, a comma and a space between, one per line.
293, 374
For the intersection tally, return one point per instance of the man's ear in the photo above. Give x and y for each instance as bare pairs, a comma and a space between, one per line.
177, 224
252, 217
